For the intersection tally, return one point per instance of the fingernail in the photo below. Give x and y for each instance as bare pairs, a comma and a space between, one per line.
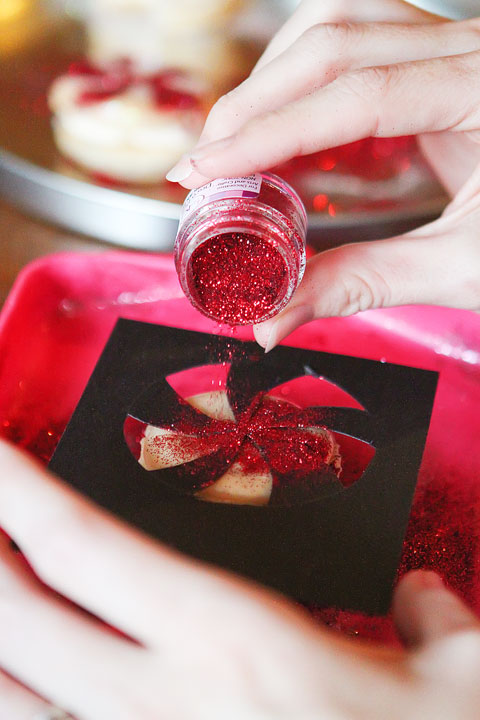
426, 580
181, 170
272, 338
204, 151
289, 321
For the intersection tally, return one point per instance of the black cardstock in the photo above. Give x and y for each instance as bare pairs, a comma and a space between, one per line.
340, 549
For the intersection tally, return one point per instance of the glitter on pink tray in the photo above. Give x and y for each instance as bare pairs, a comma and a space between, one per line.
62, 309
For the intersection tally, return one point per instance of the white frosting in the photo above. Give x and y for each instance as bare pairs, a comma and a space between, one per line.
127, 135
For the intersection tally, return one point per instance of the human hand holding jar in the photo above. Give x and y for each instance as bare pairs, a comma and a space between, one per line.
339, 72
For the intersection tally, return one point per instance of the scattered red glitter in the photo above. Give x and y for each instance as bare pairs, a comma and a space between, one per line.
442, 536
237, 278
289, 450
62, 310
437, 539
166, 445
250, 460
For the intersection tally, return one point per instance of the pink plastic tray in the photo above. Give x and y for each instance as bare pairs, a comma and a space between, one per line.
62, 308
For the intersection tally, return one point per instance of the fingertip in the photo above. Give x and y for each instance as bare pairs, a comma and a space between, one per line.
424, 609
420, 580
271, 332
195, 180
231, 157
185, 174
180, 171
262, 332
409, 589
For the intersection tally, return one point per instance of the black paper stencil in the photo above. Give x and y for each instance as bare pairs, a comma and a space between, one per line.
338, 546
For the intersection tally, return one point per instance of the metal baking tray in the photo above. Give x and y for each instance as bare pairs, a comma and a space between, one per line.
34, 177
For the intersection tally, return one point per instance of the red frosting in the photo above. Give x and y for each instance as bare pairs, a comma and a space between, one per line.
167, 85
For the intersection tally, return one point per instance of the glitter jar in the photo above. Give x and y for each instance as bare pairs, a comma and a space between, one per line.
240, 247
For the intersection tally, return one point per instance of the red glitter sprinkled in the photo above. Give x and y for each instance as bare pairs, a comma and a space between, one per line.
169, 446
237, 277
54, 351
292, 450
442, 535
265, 436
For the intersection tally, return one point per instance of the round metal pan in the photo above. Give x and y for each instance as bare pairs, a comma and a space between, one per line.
34, 177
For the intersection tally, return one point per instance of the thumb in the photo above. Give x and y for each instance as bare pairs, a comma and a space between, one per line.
424, 609
434, 265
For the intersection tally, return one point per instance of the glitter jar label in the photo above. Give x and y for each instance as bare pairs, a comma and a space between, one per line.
222, 189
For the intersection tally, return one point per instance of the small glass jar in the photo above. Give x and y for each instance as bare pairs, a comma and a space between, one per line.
240, 247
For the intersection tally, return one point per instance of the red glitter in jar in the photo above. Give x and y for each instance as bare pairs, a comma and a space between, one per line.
240, 248
237, 277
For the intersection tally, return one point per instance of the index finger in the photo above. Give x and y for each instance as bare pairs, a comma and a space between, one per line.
153, 594
90, 557
324, 53
384, 101
312, 12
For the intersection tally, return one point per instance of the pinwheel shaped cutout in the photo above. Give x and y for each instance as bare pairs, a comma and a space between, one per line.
251, 440
320, 533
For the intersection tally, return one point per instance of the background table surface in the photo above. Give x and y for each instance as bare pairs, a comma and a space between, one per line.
23, 239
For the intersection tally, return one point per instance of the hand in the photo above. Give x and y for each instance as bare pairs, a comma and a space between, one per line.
197, 643
320, 85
